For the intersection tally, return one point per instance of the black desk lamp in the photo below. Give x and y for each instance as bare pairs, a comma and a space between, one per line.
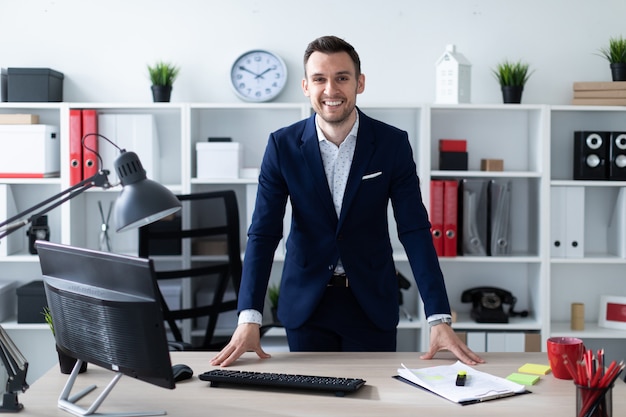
16, 366
142, 201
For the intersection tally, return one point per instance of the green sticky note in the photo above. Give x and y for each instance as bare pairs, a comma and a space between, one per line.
524, 379
533, 368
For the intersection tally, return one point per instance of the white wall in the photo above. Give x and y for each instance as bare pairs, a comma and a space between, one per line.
103, 46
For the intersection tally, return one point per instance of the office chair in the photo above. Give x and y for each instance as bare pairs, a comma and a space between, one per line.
208, 229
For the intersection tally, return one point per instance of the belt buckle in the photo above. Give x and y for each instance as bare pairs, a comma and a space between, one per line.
345, 282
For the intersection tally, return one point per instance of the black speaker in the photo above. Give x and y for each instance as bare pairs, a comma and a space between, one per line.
617, 156
590, 154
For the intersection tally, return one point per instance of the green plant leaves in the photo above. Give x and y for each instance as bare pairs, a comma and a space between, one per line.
616, 51
163, 73
512, 73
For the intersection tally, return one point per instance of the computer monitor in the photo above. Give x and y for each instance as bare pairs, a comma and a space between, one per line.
105, 310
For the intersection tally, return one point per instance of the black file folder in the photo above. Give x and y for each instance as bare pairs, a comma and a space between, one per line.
473, 217
499, 214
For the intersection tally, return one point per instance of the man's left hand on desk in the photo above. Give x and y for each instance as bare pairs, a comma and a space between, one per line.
443, 337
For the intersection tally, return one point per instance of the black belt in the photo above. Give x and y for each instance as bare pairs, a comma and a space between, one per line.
338, 280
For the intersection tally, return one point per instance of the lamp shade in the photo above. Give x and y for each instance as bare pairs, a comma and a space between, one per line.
142, 201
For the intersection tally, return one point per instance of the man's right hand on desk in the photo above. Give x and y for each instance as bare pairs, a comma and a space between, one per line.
246, 338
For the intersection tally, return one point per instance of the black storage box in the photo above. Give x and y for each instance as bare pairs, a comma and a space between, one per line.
34, 85
31, 299
453, 161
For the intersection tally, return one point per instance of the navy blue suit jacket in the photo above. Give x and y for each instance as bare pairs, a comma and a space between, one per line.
382, 169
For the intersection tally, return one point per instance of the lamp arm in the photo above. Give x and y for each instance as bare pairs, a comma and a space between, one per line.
100, 179
16, 367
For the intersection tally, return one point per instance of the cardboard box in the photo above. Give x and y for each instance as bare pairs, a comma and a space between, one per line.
19, 119
7, 299
34, 85
29, 151
218, 159
31, 300
492, 165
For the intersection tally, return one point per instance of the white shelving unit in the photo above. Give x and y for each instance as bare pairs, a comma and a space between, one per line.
598, 271
535, 142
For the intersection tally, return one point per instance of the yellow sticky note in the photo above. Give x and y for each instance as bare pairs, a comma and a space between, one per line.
533, 368
523, 379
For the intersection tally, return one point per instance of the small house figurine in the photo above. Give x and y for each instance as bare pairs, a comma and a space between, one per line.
453, 77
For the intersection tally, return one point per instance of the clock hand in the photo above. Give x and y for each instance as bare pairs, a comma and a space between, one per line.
261, 74
242, 68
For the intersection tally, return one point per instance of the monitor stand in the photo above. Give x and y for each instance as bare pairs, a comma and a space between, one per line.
68, 403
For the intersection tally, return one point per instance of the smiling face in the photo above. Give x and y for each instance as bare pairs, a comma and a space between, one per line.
331, 83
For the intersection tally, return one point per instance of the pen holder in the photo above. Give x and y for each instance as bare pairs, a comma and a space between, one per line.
594, 402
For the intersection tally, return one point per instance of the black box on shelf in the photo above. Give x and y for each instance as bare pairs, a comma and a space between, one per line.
34, 85
31, 300
453, 161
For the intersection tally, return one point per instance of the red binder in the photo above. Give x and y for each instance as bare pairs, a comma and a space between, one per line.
76, 150
436, 214
90, 148
450, 218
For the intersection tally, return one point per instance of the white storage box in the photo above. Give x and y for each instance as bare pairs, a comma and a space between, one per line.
29, 151
8, 299
218, 159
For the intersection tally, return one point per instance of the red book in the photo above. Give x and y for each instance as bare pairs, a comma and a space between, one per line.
452, 145
436, 214
76, 149
90, 143
450, 218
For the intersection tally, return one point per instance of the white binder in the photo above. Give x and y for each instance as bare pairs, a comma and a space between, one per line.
616, 236
567, 222
134, 133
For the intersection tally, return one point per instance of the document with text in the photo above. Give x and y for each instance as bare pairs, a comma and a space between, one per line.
478, 386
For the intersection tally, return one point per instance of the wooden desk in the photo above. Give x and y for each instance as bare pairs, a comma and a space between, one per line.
382, 396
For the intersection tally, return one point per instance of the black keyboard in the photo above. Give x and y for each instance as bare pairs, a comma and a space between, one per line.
340, 386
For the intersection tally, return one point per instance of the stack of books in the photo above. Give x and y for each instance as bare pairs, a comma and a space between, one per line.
589, 93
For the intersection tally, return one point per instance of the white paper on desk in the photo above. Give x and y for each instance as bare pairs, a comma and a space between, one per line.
479, 386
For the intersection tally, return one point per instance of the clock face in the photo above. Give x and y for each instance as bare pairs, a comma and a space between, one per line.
258, 76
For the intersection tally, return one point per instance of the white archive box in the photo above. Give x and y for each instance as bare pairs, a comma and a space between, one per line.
218, 159
8, 300
29, 151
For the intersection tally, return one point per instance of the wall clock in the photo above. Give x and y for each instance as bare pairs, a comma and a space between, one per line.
258, 76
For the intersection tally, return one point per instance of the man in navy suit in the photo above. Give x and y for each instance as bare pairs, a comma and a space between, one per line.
339, 168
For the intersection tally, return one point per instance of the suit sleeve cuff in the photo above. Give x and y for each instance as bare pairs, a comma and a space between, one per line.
250, 316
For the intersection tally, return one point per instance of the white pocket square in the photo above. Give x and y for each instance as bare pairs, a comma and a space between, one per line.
370, 176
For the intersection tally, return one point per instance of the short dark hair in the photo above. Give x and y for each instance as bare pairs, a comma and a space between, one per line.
331, 45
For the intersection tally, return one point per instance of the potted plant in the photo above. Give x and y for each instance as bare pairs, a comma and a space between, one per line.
616, 55
162, 75
66, 362
273, 292
512, 77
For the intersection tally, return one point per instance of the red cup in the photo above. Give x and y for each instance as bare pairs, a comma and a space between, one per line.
561, 347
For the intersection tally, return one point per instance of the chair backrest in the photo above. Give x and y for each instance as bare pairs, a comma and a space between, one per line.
206, 235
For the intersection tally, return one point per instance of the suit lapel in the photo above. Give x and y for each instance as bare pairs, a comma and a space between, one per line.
365, 147
313, 160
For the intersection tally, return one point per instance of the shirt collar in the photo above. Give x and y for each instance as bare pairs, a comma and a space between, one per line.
353, 131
